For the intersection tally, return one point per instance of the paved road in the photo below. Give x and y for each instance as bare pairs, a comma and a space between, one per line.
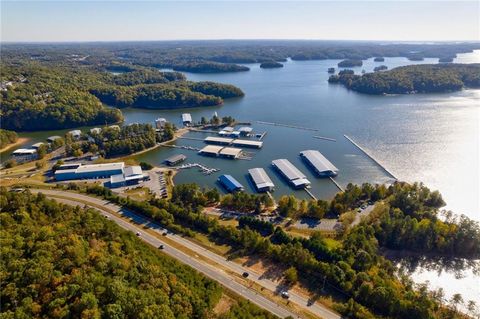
215, 273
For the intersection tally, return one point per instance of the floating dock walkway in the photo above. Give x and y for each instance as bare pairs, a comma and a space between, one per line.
325, 138
336, 184
290, 126
371, 157
310, 194
204, 169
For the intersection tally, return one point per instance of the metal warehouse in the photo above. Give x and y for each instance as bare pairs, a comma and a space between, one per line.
262, 182
319, 163
230, 183
79, 171
296, 178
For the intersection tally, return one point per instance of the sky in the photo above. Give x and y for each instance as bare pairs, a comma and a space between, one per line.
65, 21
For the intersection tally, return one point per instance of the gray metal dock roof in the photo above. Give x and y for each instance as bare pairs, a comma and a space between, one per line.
287, 168
319, 162
260, 178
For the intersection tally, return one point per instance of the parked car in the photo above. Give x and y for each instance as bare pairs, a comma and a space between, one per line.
161, 247
285, 294
245, 274
138, 234
165, 233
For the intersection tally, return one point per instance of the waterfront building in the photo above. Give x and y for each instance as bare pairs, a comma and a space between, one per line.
296, 178
175, 159
262, 182
230, 183
319, 163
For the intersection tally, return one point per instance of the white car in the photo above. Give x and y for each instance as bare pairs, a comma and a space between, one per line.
138, 234
285, 294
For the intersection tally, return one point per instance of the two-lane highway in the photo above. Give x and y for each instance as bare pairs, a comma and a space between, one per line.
211, 271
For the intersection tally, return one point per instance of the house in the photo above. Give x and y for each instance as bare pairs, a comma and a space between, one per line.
160, 123
76, 134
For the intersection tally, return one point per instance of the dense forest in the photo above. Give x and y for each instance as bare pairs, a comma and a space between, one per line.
60, 261
367, 281
413, 79
7, 137
222, 56
271, 65
58, 96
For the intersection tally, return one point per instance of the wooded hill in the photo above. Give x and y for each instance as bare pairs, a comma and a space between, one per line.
426, 78
60, 96
64, 262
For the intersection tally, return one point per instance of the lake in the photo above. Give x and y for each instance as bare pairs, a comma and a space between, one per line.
433, 138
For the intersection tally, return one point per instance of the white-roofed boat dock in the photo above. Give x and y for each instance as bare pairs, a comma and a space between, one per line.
262, 182
296, 178
319, 163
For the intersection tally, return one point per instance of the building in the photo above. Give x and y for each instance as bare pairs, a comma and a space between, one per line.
94, 171
218, 140
25, 154
114, 127
221, 151
296, 178
132, 175
245, 130
187, 119
175, 159
95, 130
228, 129
160, 123
262, 182
248, 143
230, 152
76, 134
231, 141
36, 146
230, 183
51, 139
319, 163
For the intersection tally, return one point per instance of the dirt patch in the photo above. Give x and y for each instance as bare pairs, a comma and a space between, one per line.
223, 305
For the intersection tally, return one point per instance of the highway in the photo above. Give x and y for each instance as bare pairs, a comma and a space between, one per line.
216, 273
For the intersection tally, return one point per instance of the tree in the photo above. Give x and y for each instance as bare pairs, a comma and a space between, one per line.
42, 151
287, 206
290, 275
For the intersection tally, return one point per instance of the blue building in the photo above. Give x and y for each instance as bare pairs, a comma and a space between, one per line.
230, 183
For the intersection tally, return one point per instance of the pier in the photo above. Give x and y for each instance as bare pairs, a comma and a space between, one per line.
336, 184
204, 169
310, 194
325, 138
183, 147
371, 157
289, 126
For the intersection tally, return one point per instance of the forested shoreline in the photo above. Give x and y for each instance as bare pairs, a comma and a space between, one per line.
57, 96
426, 78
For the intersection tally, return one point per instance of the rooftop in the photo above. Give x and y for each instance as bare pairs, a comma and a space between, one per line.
222, 140
250, 143
24, 151
175, 158
132, 170
230, 183
211, 149
260, 178
318, 161
230, 151
287, 168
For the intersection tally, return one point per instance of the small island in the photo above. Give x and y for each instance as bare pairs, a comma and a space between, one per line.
271, 65
379, 59
209, 67
411, 79
350, 63
380, 68
447, 59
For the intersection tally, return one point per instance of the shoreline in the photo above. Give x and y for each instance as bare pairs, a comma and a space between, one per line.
19, 141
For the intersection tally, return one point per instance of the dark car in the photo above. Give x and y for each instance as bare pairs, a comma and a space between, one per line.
245, 274
165, 233
161, 247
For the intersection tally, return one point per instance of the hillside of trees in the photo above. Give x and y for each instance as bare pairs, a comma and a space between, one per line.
220, 56
58, 96
60, 261
367, 282
413, 79
7, 137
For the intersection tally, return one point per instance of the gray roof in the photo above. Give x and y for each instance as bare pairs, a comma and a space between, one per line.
175, 158
287, 168
260, 178
186, 117
133, 170
117, 179
317, 160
